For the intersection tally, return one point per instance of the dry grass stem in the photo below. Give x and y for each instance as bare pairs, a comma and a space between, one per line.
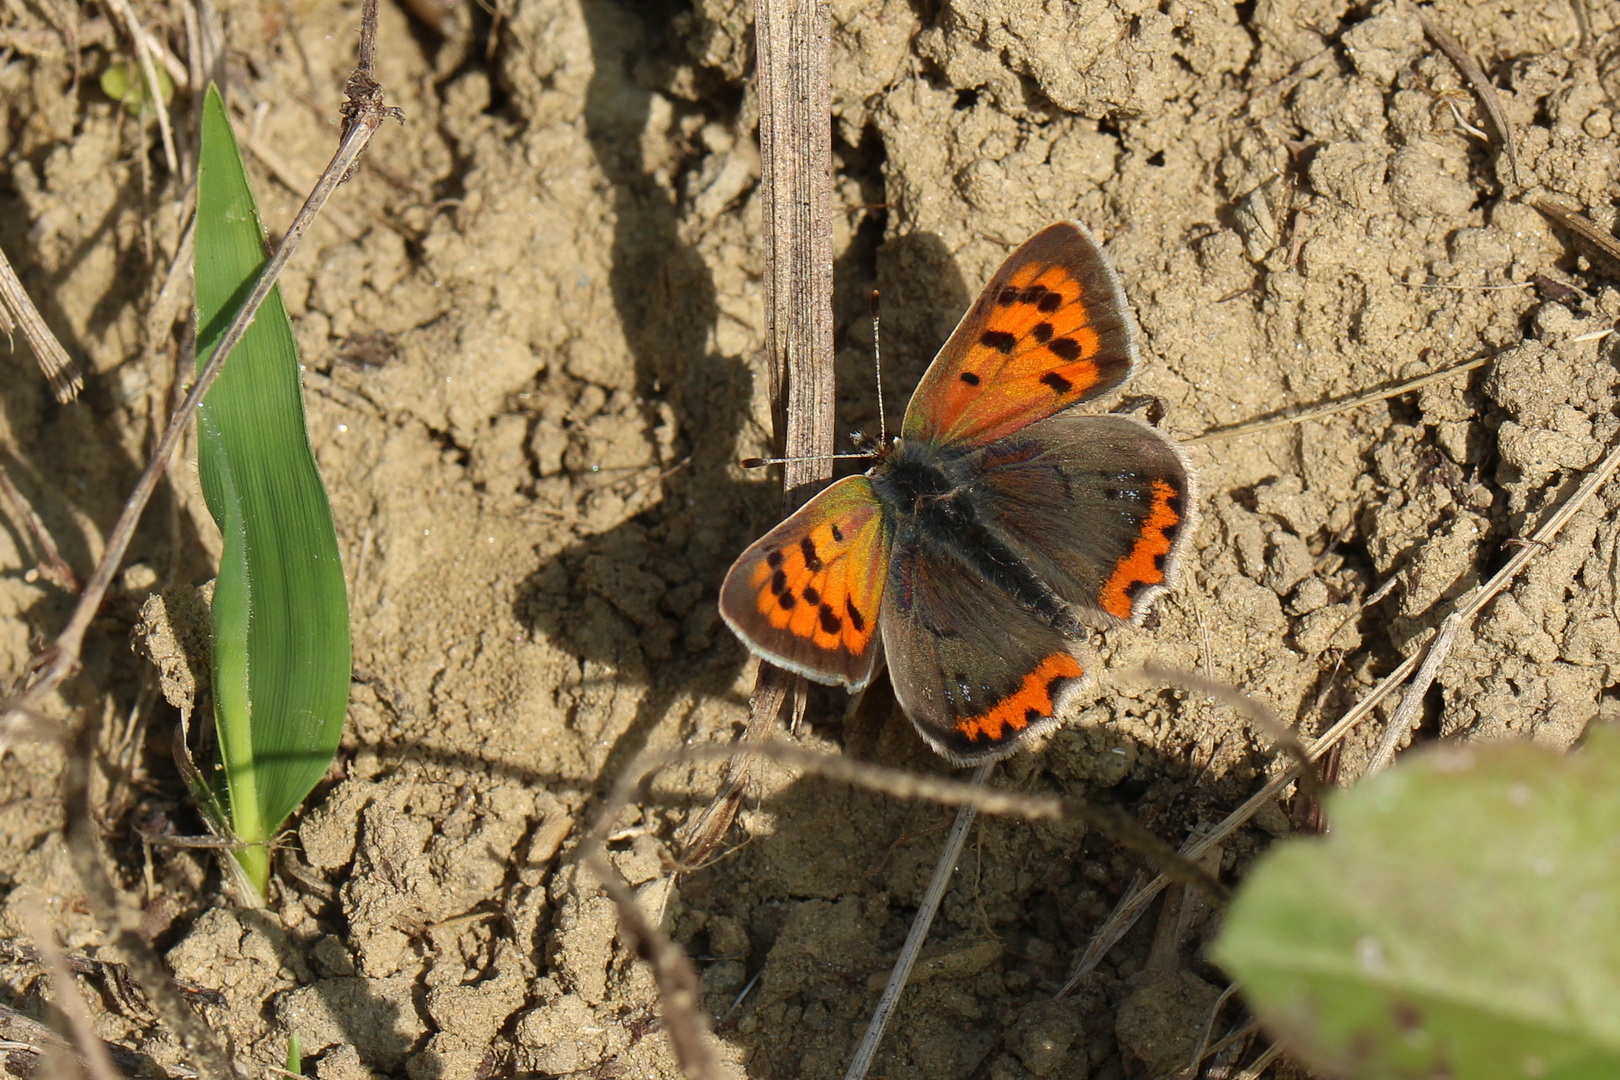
144, 50
1130, 908
861, 1063
52, 567
672, 970
1255, 709
17, 311
365, 112
1205, 1049
680, 991
287, 176
1399, 728
1478, 82
62, 660
772, 687
1333, 407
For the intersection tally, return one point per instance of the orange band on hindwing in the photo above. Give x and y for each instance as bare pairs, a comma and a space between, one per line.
1035, 699
1144, 566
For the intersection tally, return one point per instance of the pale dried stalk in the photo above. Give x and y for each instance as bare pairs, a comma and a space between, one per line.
144, 50
63, 658
1583, 227
1318, 412
364, 113
794, 40
687, 1024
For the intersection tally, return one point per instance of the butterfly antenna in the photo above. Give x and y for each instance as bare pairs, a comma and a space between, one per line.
760, 462
877, 365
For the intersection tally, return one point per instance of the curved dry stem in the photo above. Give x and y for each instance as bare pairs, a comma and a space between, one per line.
673, 972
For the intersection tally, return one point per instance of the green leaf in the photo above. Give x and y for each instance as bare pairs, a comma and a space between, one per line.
1462, 920
280, 611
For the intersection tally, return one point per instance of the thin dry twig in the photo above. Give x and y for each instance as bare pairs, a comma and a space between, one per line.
1261, 1064
1478, 82
52, 567
18, 311
1317, 412
688, 1025
62, 659
364, 113
920, 924
772, 687
1440, 644
287, 176
1583, 227
1400, 725
83, 1030
1258, 711
20, 1033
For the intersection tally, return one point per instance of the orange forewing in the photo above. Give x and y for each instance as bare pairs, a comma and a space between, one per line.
806, 596
1051, 329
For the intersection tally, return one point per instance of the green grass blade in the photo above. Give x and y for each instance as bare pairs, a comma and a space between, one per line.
280, 611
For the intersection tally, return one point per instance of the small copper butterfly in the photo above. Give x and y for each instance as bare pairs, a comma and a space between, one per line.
996, 530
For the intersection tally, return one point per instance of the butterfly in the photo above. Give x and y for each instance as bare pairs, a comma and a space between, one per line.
996, 531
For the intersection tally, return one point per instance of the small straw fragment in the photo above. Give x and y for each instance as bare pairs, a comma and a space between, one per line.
92, 1051
18, 311
52, 567
1477, 81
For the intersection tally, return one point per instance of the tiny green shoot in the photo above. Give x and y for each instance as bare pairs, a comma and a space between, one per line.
124, 83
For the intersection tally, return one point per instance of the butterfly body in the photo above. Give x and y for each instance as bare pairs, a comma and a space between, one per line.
1000, 527
932, 498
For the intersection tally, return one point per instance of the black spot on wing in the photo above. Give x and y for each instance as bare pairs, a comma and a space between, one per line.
1058, 383
812, 559
1042, 332
856, 619
999, 340
969, 377
830, 622
1066, 349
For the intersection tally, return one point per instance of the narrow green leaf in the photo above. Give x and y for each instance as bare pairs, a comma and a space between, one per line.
280, 611
1462, 920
